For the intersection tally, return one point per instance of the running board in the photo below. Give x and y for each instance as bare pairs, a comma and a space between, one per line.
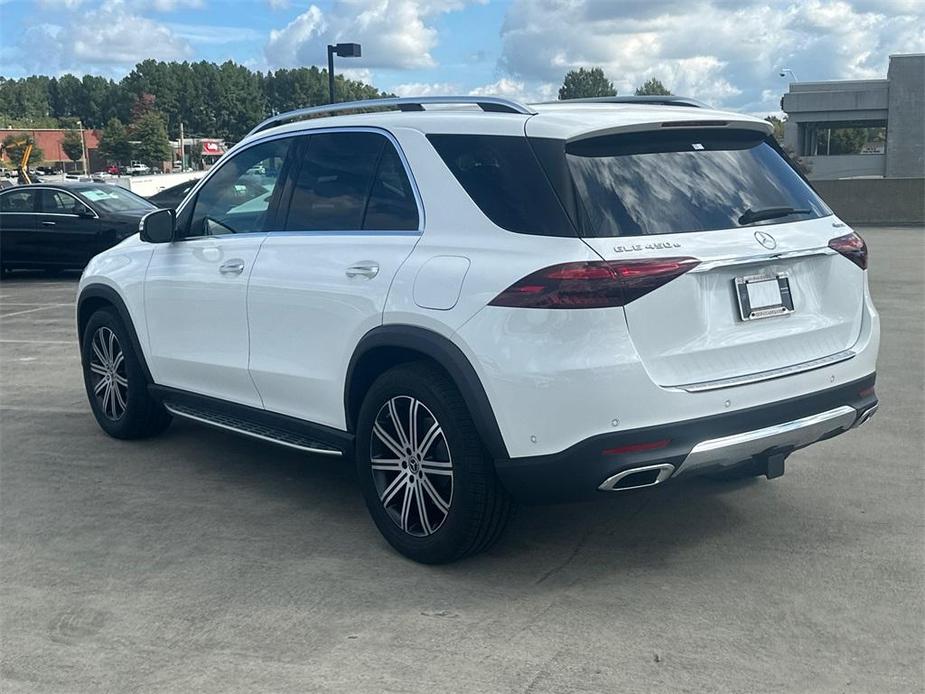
238, 425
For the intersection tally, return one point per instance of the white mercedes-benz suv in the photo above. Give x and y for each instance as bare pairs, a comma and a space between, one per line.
479, 301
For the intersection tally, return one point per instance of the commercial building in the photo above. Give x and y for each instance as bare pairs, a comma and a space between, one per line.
863, 142
50, 142
845, 129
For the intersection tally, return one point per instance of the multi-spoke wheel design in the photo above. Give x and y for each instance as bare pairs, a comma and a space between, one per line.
411, 465
107, 373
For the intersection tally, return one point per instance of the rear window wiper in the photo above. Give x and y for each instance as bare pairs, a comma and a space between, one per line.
751, 215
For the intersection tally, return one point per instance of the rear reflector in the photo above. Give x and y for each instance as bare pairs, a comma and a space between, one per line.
595, 284
864, 392
637, 447
852, 247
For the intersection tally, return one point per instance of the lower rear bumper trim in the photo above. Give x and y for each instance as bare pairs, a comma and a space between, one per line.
729, 450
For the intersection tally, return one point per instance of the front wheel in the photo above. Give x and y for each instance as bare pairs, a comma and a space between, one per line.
429, 484
115, 381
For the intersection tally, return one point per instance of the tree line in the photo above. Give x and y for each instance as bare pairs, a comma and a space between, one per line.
211, 100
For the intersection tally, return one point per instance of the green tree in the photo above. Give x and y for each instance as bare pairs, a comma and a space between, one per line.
652, 87
847, 140
778, 125
114, 143
152, 147
73, 145
14, 145
583, 84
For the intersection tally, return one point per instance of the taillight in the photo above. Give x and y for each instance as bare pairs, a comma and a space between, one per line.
594, 284
852, 247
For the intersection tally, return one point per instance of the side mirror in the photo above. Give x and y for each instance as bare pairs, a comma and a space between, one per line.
158, 226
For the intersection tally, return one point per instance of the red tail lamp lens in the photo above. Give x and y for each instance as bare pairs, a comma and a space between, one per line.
852, 247
597, 284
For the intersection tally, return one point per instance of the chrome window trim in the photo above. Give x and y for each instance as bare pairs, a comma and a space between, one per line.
768, 375
308, 132
708, 265
57, 189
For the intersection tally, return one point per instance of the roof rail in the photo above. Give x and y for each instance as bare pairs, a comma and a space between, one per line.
486, 103
651, 100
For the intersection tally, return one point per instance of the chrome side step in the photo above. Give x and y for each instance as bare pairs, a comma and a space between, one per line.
257, 431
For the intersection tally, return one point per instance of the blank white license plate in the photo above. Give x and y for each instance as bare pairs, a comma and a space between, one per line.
763, 296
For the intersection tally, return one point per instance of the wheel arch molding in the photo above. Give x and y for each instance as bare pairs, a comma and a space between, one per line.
389, 345
96, 296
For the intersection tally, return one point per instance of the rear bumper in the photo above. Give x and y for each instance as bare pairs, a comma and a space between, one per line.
690, 447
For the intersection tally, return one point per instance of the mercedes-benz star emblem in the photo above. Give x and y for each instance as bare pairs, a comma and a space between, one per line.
766, 240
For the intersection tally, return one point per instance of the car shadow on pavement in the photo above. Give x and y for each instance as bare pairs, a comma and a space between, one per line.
541, 545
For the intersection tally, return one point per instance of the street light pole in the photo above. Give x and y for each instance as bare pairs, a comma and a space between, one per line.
343, 50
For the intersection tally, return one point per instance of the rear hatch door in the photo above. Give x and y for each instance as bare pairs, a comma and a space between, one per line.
765, 292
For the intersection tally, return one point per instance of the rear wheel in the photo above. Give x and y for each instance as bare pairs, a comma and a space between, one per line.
115, 381
429, 484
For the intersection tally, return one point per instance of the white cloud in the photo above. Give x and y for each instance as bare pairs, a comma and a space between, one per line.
398, 34
111, 35
726, 52
279, 4
427, 89
171, 5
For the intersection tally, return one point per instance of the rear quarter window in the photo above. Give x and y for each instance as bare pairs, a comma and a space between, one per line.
501, 175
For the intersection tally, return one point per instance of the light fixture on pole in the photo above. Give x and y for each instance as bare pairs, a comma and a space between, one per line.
783, 73
343, 50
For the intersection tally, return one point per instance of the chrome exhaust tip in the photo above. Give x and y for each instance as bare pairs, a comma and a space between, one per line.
866, 416
637, 478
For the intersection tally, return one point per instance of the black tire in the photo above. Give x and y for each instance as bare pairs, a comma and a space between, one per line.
479, 507
130, 412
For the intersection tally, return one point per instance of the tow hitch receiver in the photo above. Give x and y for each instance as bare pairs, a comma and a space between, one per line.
774, 465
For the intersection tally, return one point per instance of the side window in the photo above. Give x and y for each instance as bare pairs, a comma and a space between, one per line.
333, 182
350, 181
391, 206
18, 201
58, 202
237, 198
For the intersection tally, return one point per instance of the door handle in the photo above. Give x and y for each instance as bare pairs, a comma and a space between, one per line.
366, 268
48, 224
232, 267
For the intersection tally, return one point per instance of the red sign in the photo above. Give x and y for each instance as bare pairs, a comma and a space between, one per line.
212, 148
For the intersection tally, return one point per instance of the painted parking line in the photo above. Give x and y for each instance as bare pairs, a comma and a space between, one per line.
32, 310
38, 342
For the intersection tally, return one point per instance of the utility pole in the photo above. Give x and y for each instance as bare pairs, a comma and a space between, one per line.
83, 147
182, 149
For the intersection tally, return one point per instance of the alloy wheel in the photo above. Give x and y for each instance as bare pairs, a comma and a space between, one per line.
411, 465
107, 373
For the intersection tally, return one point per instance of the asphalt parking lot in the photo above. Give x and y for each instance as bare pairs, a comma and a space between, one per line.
201, 561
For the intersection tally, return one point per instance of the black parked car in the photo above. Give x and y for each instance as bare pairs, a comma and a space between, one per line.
170, 198
62, 226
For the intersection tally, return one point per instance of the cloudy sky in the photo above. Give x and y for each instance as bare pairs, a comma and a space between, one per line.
726, 52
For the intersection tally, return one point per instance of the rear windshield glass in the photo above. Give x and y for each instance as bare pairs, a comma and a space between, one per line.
696, 180
503, 177
115, 199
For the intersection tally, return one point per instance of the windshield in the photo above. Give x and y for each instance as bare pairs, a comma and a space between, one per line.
115, 199
695, 180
